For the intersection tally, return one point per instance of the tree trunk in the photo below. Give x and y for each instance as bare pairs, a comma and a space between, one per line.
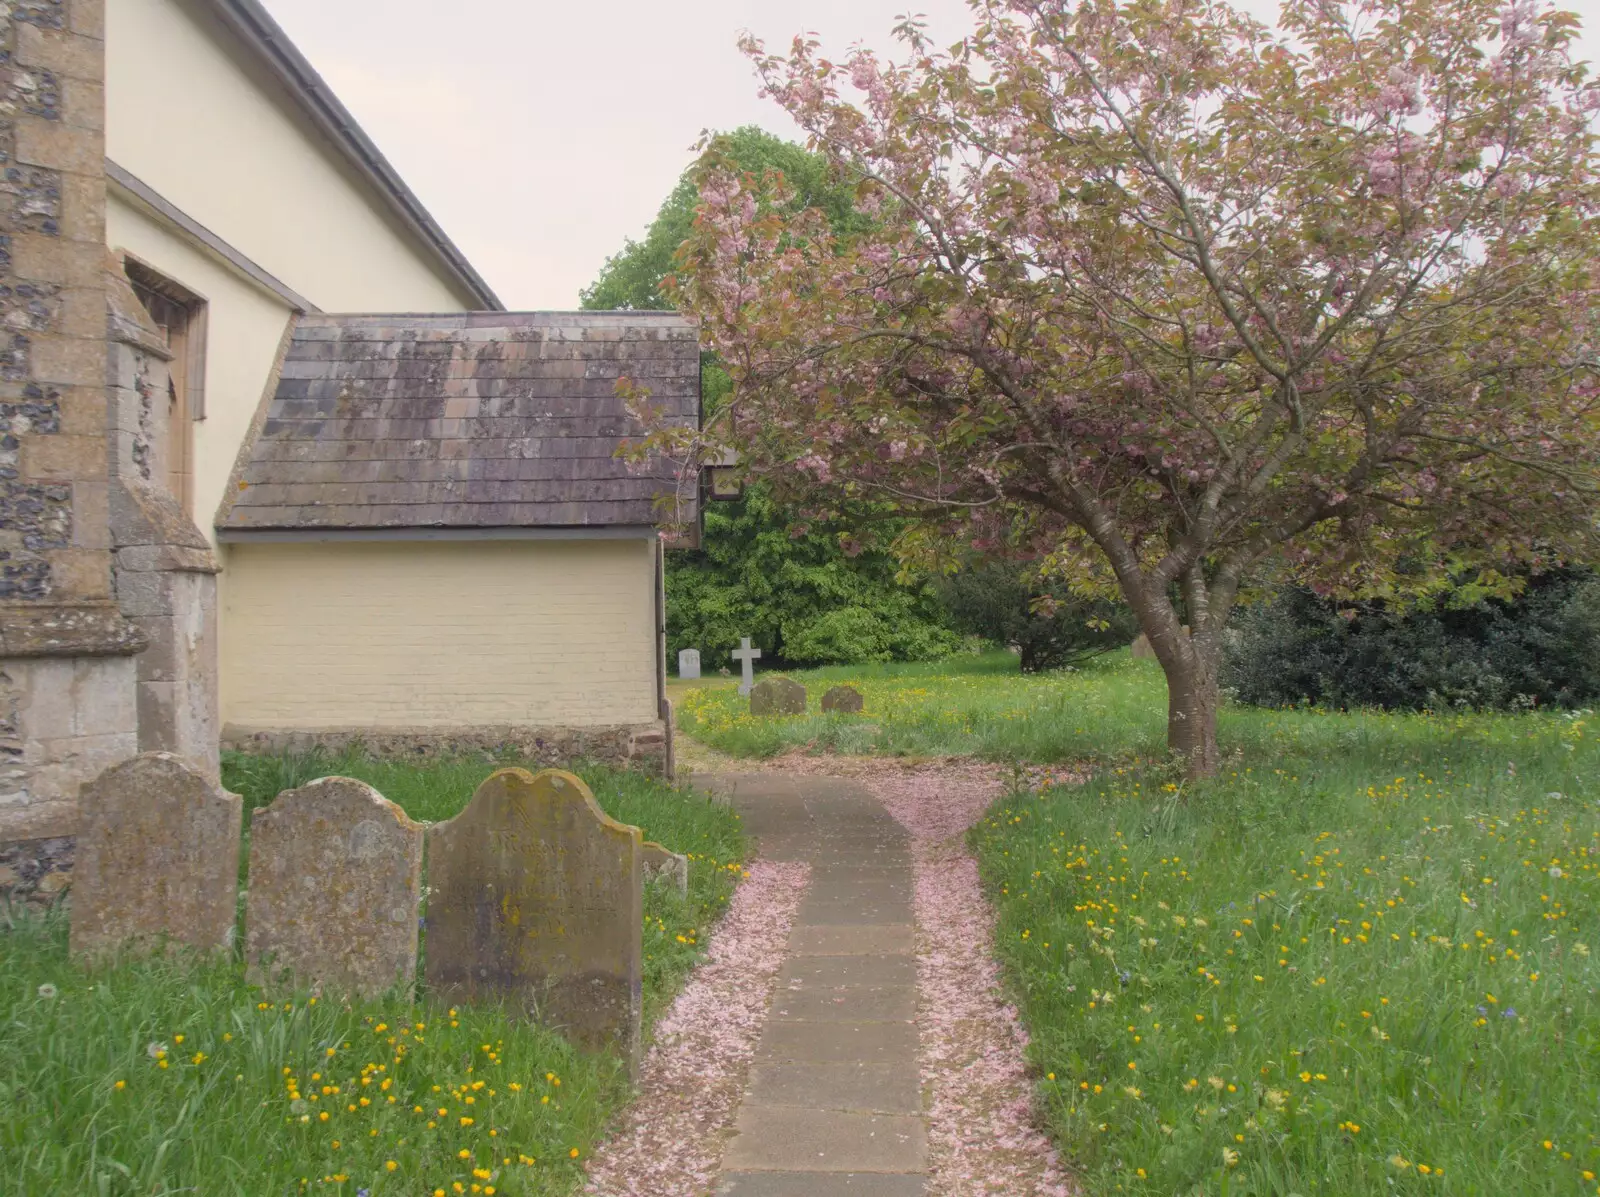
1192, 701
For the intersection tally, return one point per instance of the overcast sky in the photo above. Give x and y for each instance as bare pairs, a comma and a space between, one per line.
543, 133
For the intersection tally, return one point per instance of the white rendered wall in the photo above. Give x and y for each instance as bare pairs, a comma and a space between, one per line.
433, 634
229, 150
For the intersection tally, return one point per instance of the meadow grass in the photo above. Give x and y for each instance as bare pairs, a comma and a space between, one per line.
964, 706
1360, 961
173, 1075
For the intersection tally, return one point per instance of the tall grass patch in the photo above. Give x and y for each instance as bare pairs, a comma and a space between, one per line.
965, 706
1362, 960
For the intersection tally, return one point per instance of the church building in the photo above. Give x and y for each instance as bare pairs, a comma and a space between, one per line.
237, 506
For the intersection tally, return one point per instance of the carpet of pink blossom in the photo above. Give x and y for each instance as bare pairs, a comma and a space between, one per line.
981, 1134
671, 1140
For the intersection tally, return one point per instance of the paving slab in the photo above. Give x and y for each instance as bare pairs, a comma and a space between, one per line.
849, 970
833, 1103
873, 1088
821, 1184
841, 1042
891, 940
794, 1138
861, 912
844, 1003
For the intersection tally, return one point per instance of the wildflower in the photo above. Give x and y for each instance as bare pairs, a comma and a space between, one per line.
1230, 1157
47, 991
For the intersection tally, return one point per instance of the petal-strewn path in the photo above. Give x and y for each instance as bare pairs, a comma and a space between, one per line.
890, 1065
847, 1035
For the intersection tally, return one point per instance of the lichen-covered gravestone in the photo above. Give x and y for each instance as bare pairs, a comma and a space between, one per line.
688, 664
335, 879
665, 867
536, 900
844, 699
157, 858
778, 696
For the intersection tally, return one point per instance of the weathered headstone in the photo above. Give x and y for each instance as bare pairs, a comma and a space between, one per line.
157, 858
335, 879
846, 700
747, 657
536, 900
778, 696
665, 867
688, 663
1141, 648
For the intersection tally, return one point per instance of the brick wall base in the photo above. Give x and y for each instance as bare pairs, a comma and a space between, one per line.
640, 746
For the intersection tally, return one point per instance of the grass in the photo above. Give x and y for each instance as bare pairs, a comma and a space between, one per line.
167, 1076
965, 706
1363, 960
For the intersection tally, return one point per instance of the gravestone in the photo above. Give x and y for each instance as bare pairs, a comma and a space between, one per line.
335, 879
778, 696
536, 900
747, 657
157, 858
664, 867
1141, 648
846, 700
688, 663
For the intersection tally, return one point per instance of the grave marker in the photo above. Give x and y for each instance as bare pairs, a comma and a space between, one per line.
665, 867
536, 900
688, 663
335, 878
778, 696
157, 858
747, 657
846, 700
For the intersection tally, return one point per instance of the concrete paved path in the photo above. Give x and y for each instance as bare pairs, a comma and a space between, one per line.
834, 1102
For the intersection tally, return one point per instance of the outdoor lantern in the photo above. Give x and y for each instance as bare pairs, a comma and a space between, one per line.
723, 482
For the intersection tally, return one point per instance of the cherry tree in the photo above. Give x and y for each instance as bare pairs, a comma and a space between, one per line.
1177, 301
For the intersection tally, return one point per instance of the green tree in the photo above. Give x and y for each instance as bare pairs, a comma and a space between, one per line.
765, 571
631, 279
805, 595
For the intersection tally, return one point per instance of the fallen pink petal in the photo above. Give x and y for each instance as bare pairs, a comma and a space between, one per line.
981, 1134
670, 1142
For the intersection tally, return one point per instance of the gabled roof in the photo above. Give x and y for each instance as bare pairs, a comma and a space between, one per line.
476, 421
262, 35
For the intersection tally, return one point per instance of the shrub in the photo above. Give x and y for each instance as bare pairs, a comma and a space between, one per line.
1540, 649
791, 586
998, 601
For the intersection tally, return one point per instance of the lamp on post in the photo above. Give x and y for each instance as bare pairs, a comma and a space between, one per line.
723, 480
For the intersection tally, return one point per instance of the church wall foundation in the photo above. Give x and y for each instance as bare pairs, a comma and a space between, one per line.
643, 746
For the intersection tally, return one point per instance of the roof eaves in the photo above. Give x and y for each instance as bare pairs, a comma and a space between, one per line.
259, 31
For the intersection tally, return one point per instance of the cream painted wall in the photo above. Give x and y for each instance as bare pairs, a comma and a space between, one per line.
220, 144
245, 325
435, 634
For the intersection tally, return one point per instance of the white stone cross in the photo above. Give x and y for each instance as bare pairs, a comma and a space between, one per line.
746, 656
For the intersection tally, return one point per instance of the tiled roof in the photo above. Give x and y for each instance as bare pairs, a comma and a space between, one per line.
483, 420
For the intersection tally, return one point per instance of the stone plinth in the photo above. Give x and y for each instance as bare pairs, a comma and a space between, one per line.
846, 700
665, 867
335, 878
778, 696
157, 858
536, 901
